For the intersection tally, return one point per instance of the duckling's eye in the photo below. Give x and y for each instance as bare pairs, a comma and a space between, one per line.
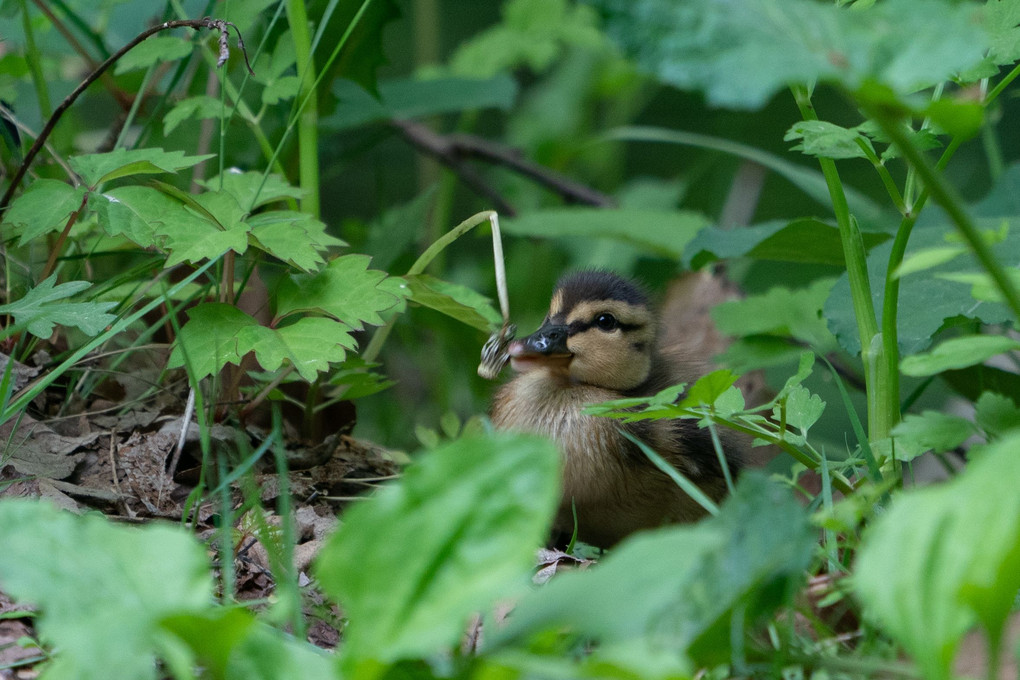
606, 322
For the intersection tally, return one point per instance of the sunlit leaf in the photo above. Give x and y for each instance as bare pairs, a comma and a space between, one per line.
97, 168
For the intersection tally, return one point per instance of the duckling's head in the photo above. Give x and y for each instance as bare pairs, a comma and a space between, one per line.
599, 331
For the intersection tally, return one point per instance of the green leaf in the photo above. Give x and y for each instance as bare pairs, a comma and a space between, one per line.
217, 334
931, 296
458, 302
455, 533
957, 353
41, 309
693, 579
294, 237
252, 189
943, 558
152, 51
802, 240
346, 289
896, 43
102, 601
927, 258
996, 414
959, 118
827, 140
45, 207
409, 99
97, 168
663, 233
795, 314
1001, 19
709, 387
199, 107
930, 431
803, 409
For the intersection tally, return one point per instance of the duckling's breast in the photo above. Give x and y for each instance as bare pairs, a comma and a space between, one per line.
611, 486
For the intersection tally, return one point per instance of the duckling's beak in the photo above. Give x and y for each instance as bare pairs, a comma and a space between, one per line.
546, 346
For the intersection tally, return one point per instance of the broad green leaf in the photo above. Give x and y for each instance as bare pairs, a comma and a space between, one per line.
152, 51
943, 558
931, 431
230, 643
346, 289
456, 301
780, 312
252, 189
102, 601
46, 305
959, 118
663, 233
407, 99
958, 353
1001, 19
45, 207
454, 534
216, 227
750, 558
802, 240
97, 168
198, 107
294, 237
996, 414
827, 140
903, 44
931, 296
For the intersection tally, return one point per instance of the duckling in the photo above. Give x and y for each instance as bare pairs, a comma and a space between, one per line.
598, 343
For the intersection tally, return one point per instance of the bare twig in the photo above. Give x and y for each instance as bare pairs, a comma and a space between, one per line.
207, 22
455, 150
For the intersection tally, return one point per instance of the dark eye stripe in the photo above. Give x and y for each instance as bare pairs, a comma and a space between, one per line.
581, 326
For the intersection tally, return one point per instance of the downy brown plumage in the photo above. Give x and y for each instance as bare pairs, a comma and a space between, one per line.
597, 343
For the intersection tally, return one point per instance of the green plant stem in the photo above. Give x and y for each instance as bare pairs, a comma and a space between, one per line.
882, 402
308, 116
423, 261
883, 173
946, 196
42, 92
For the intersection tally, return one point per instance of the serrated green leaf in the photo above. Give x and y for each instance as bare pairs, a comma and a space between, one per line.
930, 431
41, 309
827, 140
996, 414
281, 89
102, 602
663, 233
45, 207
458, 302
252, 189
152, 51
709, 387
346, 289
294, 237
957, 353
217, 334
943, 558
803, 409
97, 168
458, 531
199, 107
749, 558
1001, 18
